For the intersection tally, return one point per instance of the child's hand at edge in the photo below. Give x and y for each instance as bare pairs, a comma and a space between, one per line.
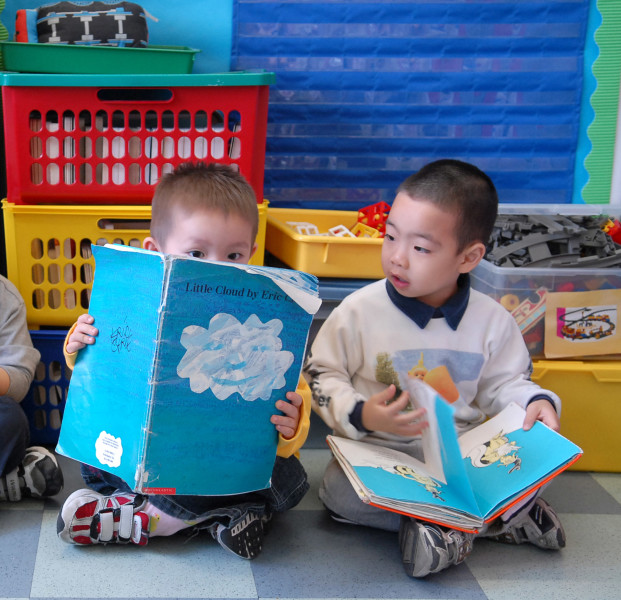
541, 410
287, 423
377, 415
83, 334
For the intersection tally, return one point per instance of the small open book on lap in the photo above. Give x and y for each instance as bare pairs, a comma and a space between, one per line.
463, 481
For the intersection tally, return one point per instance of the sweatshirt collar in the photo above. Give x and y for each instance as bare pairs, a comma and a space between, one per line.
452, 310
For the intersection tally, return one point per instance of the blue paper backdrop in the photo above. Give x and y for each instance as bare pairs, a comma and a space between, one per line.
367, 92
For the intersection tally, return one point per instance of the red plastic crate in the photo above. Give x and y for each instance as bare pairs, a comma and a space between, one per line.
102, 139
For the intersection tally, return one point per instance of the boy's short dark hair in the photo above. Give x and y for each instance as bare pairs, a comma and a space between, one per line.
462, 189
201, 186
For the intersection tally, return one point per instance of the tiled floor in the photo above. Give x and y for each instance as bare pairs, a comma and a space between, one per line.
307, 555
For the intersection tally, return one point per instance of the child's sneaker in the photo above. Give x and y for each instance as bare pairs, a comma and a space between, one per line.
37, 476
243, 537
539, 526
88, 517
427, 548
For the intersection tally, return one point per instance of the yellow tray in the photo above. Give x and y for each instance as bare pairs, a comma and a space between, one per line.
49, 258
321, 255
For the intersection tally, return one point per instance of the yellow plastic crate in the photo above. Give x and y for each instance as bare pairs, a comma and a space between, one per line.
591, 396
49, 257
322, 255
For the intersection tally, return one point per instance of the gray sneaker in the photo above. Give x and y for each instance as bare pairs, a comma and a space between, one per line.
38, 476
244, 537
427, 548
539, 526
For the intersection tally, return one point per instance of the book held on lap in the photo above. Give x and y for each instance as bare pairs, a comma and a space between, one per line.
463, 482
176, 394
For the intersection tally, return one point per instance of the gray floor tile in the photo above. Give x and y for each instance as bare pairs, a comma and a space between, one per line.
166, 568
19, 536
315, 557
586, 569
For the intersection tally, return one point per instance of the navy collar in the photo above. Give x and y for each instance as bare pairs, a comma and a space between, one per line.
452, 310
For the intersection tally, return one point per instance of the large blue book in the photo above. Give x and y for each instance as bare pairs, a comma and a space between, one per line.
176, 394
462, 482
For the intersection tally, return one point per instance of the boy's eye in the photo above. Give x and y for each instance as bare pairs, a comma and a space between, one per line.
234, 256
421, 250
196, 254
387, 236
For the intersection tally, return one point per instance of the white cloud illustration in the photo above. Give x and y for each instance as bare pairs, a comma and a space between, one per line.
231, 357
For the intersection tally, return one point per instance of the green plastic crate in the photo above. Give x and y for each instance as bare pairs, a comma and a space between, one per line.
62, 58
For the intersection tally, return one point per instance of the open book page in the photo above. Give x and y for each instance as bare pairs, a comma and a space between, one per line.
503, 461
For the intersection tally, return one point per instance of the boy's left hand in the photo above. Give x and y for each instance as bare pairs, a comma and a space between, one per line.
541, 410
287, 423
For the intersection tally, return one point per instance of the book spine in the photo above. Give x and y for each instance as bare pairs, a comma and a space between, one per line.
141, 472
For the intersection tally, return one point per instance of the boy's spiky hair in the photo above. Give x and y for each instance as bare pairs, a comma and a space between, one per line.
462, 189
201, 186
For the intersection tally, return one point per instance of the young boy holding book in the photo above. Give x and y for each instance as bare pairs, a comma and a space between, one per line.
25, 472
207, 212
424, 317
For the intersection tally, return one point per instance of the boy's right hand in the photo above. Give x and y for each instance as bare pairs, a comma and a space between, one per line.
84, 333
378, 415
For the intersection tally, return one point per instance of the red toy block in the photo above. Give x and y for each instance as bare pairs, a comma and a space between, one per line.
375, 216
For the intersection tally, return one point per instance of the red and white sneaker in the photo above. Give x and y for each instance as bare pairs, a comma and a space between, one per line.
88, 517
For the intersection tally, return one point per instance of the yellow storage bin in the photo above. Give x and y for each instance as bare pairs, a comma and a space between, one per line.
49, 258
322, 255
591, 396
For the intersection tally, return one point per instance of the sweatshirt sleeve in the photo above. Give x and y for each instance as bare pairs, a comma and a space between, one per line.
18, 357
506, 377
289, 446
336, 355
70, 358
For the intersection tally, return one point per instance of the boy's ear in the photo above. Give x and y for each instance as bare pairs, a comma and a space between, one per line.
254, 249
149, 243
472, 256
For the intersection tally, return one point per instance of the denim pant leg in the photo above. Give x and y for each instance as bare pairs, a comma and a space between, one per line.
289, 484
339, 497
14, 434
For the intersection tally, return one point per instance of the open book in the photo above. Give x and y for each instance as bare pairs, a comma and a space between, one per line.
176, 394
463, 482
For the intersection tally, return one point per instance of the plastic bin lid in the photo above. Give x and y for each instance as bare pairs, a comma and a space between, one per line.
231, 78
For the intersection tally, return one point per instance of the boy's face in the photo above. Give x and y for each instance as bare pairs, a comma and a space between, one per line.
208, 235
419, 253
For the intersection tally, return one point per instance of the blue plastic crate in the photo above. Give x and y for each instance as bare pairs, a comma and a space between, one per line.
45, 401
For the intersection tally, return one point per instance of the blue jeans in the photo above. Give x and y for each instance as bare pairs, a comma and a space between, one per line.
289, 485
14, 434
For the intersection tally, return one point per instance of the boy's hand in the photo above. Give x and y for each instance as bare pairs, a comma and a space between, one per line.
83, 334
541, 410
287, 423
377, 415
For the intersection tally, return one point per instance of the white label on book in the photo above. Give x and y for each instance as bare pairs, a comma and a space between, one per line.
108, 449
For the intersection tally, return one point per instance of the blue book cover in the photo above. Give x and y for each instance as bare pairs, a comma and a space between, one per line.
176, 394
463, 482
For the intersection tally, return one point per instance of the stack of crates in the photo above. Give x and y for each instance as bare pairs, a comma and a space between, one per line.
84, 153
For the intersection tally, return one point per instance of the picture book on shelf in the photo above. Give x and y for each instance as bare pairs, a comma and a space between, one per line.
175, 395
463, 482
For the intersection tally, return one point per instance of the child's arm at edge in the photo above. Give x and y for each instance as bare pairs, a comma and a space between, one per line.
82, 332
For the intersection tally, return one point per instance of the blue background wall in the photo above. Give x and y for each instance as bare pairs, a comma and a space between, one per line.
367, 92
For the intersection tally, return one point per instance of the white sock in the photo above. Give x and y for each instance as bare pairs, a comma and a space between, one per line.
162, 524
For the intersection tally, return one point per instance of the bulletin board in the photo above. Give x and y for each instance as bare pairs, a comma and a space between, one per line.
368, 92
